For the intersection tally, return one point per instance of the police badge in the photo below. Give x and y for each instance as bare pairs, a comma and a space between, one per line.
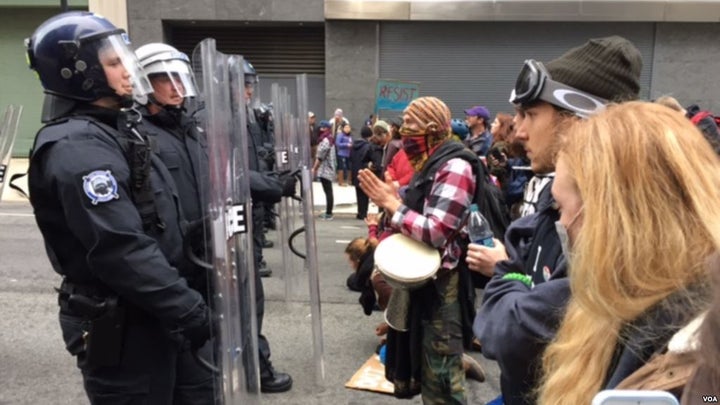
100, 186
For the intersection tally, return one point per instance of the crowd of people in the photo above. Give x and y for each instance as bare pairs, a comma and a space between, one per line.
607, 277
605, 274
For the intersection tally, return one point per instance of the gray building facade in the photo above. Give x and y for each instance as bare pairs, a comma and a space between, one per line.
465, 52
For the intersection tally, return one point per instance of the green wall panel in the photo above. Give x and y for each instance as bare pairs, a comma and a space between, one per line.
18, 84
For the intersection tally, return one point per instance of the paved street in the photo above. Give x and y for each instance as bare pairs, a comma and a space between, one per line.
37, 370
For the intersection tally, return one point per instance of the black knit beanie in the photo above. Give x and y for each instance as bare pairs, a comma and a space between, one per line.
605, 67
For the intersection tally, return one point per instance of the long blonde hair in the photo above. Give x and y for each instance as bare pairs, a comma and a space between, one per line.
650, 186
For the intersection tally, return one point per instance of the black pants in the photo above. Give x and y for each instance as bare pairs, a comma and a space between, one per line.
154, 367
362, 202
328, 190
263, 345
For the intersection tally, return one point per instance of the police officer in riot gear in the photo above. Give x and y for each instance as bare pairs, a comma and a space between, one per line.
178, 142
260, 127
263, 115
270, 380
107, 212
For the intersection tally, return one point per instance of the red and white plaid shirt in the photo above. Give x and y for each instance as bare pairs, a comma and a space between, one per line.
447, 205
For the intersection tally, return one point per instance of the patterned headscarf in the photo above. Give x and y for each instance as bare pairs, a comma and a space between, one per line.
432, 117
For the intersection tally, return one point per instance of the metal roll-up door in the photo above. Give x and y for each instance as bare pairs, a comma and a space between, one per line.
278, 53
272, 49
472, 63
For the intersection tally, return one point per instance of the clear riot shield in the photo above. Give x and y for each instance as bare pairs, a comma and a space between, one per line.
311, 260
222, 113
297, 223
8, 131
287, 208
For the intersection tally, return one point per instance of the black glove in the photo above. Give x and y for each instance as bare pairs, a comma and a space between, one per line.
198, 335
289, 181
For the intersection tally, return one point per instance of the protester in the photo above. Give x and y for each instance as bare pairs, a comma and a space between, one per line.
501, 130
480, 138
703, 119
513, 171
343, 143
312, 134
706, 379
324, 167
360, 256
375, 291
638, 229
518, 320
361, 157
400, 170
428, 357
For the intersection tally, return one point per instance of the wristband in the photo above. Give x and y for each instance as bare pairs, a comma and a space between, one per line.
523, 278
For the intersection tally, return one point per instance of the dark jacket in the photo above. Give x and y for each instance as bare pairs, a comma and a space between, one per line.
182, 146
360, 281
93, 231
650, 333
513, 178
364, 155
265, 186
515, 322
358, 158
481, 144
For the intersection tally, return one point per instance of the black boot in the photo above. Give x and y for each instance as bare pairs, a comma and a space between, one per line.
272, 381
264, 270
266, 243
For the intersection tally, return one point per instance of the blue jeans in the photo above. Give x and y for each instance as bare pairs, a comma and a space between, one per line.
343, 165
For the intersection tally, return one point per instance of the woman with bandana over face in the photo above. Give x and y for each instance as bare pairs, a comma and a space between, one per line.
427, 358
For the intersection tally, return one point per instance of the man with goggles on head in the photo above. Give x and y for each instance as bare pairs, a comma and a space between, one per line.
526, 297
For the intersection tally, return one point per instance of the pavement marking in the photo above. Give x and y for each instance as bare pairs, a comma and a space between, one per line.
342, 241
12, 214
350, 227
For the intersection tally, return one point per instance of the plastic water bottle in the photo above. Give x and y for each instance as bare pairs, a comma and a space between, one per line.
479, 229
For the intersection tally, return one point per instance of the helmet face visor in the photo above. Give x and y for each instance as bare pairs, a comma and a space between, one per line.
122, 70
175, 75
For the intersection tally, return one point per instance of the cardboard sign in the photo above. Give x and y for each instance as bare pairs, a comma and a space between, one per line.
395, 95
371, 377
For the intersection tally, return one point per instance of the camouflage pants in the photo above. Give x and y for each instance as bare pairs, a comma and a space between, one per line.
443, 378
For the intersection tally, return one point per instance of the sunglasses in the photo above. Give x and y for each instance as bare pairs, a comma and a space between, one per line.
534, 83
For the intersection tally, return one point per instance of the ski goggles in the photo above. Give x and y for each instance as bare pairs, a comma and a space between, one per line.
534, 83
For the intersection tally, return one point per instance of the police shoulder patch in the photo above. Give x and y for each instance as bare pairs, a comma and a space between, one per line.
100, 186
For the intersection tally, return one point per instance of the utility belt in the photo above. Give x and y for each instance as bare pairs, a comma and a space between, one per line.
105, 321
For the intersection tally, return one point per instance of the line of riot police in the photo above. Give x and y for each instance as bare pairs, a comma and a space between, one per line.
120, 193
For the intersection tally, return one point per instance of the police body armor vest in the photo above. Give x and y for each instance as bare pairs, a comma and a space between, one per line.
137, 152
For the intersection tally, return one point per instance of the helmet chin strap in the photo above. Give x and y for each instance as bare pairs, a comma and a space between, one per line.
126, 101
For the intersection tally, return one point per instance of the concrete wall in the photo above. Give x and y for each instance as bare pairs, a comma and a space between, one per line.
686, 63
351, 69
146, 17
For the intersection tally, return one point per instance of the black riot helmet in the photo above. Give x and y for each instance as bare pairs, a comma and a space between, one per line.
71, 51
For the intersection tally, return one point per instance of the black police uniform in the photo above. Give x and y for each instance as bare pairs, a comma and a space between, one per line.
265, 189
125, 311
266, 152
183, 148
